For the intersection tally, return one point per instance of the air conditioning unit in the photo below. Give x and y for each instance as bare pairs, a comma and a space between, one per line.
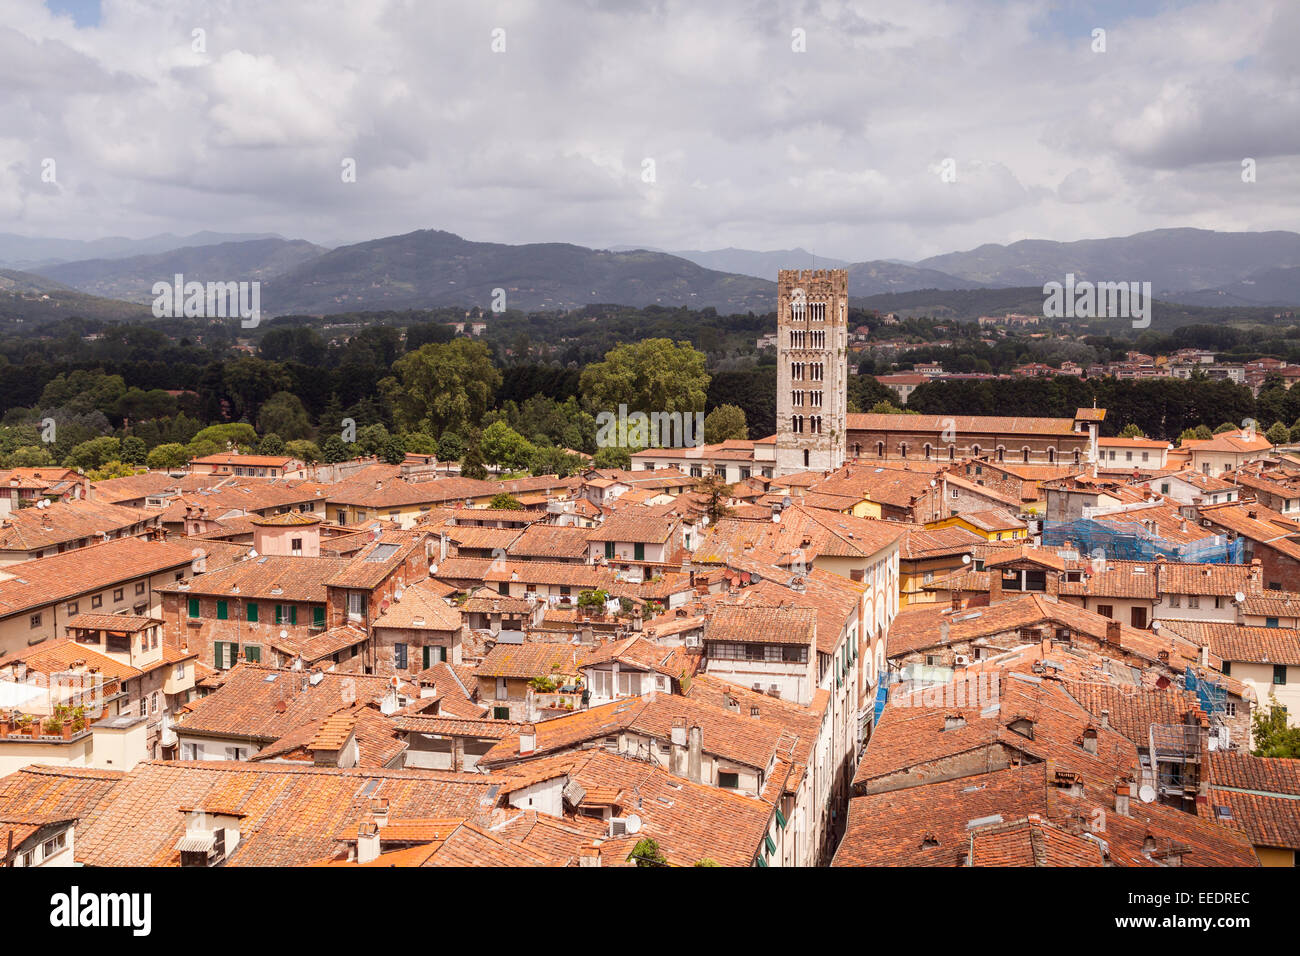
617, 827
693, 640
774, 690
961, 660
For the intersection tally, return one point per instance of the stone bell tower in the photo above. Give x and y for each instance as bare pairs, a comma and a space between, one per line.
812, 316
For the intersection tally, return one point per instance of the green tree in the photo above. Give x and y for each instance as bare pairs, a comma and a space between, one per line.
393, 452
471, 466
1278, 434
889, 408
1273, 737
1199, 433
612, 457
29, 456
271, 444
239, 434
441, 386
450, 447
111, 469
334, 449
716, 491
647, 853
284, 414
652, 375
134, 450
505, 500
94, 453
503, 446
372, 440
168, 456
550, 460
1131, 431
418, 443
303, 450
723, 423
1225, 427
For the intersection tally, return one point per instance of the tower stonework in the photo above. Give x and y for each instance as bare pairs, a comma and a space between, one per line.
812, 318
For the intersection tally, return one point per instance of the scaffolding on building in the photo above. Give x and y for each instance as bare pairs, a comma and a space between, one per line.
1175, 762
1133, 541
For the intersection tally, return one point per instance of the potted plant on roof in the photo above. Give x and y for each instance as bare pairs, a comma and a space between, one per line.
79, 719
53, 726
25, 724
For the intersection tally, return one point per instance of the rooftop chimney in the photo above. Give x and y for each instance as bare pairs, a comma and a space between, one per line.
1090, 740
379, 810
1121, 799
527, 739
589, 856
1112, 632
694, 756
367, 841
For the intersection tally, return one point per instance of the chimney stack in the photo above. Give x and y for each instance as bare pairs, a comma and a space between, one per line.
1112, 632
379, 810
589, 856
367, 841
527, 739
1121, 799
1090, 740
694, 756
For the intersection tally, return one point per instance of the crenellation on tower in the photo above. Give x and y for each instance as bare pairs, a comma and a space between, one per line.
812, 369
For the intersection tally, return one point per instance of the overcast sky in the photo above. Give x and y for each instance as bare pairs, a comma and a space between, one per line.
839, 149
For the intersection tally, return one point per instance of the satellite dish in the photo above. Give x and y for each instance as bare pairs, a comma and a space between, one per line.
283, 634
965, 559
252, 552
634, 824
1155, 625
1147, 794
1239, 597
933, 483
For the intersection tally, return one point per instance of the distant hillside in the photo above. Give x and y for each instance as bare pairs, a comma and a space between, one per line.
966, 305
25, 252
34, 299
865, 278
880, 276
760, 265
1172, 260
132, 279
431, 268
1272, 287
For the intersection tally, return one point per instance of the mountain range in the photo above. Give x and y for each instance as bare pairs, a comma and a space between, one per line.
431, 268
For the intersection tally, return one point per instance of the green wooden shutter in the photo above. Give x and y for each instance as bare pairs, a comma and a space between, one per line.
293, 614
318, 616
251, 612
638, 551
194, 607
254, 654
223, 611
279, 614
609, 550
427, 650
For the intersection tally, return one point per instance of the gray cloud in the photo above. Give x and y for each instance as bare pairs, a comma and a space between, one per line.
836, 149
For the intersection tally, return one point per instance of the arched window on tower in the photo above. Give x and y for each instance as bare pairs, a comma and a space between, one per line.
1051, 456
927, 451
1024, 453
880, 449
